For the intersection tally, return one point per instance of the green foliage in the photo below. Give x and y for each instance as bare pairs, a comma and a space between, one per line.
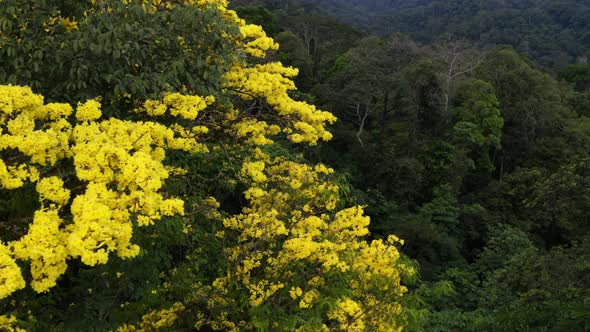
124, 56
479, 111
443, 209
560, 201
293, 52
475, 192
579, 75
512, 286
530, 288
580, 103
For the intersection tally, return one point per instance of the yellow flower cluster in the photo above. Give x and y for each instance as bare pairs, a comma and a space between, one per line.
256, 131
254, 170
66, 23
290, 238
88, 111
45, 247
11, 279
7, 323
52, 189
347, 314
120, 168
177, 104
12, 177
272, 83
156, 320
256, 42
45, 143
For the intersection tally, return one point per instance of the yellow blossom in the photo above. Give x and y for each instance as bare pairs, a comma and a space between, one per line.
68, 24
349, 315
52, 189
90, 110
11, 279
7, 323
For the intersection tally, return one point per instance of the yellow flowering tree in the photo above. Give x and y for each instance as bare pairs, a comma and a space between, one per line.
106, 171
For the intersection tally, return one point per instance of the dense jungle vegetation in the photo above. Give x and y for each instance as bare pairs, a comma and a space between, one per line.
426, 166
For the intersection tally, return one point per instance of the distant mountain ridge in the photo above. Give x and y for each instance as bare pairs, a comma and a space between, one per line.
554, 32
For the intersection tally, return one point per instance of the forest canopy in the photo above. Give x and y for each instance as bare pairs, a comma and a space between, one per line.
470, 148
283, 165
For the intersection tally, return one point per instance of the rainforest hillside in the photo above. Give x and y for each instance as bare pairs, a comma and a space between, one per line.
468, 146
294, 165
555, 32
